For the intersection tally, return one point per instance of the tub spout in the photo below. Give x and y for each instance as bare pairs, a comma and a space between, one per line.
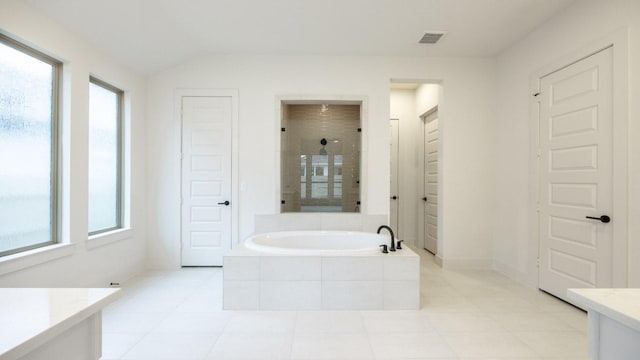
393, 241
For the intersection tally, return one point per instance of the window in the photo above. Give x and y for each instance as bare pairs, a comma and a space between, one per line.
28, 147
105, 149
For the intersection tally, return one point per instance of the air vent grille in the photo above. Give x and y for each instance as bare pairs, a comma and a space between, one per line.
432, 37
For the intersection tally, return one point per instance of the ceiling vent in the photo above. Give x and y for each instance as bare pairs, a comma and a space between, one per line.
432, 37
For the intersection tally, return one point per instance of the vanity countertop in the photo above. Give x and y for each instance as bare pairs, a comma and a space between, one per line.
622, 305
30, 316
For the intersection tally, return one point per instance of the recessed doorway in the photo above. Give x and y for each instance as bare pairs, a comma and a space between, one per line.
409, 102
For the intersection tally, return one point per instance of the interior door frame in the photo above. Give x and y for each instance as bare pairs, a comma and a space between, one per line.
618, 41
233, 94
396, 163
421, 168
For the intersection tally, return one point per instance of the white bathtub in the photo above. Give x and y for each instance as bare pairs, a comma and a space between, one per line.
316, 242
320, 270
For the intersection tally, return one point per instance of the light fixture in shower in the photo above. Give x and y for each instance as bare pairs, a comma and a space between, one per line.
323, 150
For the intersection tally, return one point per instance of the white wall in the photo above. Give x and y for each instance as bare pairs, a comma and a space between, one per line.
467, 108
116, 260
427, 97
515, 248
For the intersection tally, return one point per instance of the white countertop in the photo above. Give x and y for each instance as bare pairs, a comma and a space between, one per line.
29, 317
622, 305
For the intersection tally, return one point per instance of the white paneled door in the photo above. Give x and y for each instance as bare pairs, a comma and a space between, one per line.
430, 184
576, 191
206, 179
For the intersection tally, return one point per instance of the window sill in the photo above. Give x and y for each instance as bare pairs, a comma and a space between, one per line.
25, 259
99, 240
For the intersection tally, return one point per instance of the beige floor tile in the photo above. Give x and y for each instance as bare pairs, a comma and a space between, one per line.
556, 344
530, 321
255, 346
331, 346
410, 346
311, 322
463, 322
465, 314
488, 344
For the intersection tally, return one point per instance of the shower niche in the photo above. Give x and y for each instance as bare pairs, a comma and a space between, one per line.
320, 156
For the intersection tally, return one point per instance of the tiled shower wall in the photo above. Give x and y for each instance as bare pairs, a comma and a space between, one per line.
305, 125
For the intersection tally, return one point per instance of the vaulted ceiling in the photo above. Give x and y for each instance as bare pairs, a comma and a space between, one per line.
151, 35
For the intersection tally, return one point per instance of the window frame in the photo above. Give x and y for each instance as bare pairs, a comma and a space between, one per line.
55, 151
119, 168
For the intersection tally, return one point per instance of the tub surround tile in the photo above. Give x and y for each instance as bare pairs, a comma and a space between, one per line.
241, 268
401, 267
300, 295
352, 268
367, 281
290, 268
347, 295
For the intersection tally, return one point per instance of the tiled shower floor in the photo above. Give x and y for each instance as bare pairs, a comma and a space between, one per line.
464, 315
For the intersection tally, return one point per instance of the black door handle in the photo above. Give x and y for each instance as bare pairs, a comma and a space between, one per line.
226, 203
604, 218
394, 197
424, 198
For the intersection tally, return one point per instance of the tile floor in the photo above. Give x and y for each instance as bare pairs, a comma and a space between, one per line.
465, 315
